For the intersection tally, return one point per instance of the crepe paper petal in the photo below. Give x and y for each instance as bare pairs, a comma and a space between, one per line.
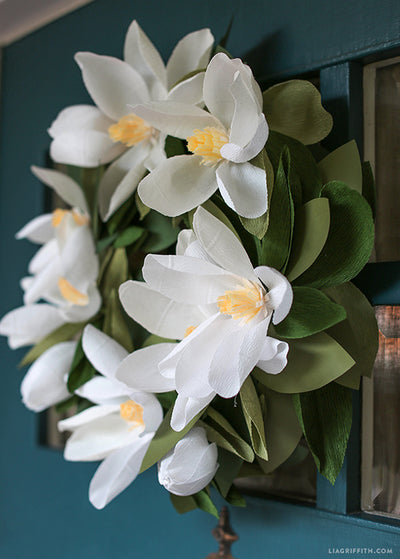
152, 410
79, 118
100, 390
29, 324
185, 238
87, 416
157, 154
104, 353
178, 185
191, 53
186, 279
77, 313
80, 264
118, 471
63, 185
155, 312
139, 370
273, 357
84, 148
190, 466
121, 179
141, 54
189, 91
221, 245
41, 259
243, 187
112, 83
44, 285
343, 164
186, 409
280, 293
238, 154
26, 282
294, 108
39, 230
44, 384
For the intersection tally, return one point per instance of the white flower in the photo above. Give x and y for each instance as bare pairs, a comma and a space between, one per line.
222, 140
212, 299
118, 429
88, 136
190, 465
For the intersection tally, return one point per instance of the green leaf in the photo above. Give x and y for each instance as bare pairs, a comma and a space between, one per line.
163, 234
326, 416
183, 505
142, 208
312, 362
235, 498
294, 108
123, 214
105, 243
216, 212
358, 334
165, 439
65, 405
343, 165
175, 146
115, 324
81, 373
204, 502
221, 432
229, 468
167, 399
368, 186
254, 418
311, 312
114, 274
62, 334
350, 239
129, 236
311, 228
277, 242
154, 339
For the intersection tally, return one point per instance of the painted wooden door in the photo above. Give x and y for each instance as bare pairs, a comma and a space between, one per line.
45, 512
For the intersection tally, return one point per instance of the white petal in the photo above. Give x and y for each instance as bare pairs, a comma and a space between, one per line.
46, 254
38, 230
77, 313
100, 390
104, 353
118, 471
63, 185
280, 293
141, 54
85, 148
79, 118
44, 384
237, 154
157, 154
191, 53
140, 369
243, 188
273, 358
185, 409
44, 284
177, 185
152, 410
80, 264
87, 416
121, 179
189, 91
185, 238
112, 83
29, 324
223, 247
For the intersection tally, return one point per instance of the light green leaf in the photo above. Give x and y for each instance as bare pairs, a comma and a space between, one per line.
143, 209
254, 418
343, 165
115, 324
311, 312
326, 416
163, 234
235, 498
105, 242
368, 186
204, 502
129, 236
221, 432
229, 468
123, 215
183, 505
115, 273
312, 362
294, 108
81, 373
311, 228
153, 339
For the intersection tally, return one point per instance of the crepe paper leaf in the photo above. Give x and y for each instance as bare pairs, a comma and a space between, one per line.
343, 165
294, 108
311, 228
358, 334
312, 362
165, 439
80, 374
350, 239
229, 468
123, 214
221, 432
166, 399
115, 325
163, 234
254, 417
204, 502
326, 417
153, 339
181, 504
115, 273
311, 312
62, 334
278, 239
105, 243
65, 405
302, 161
258, 226
282, 430
175, 146
368, 186
129, 236
142, 208
235, 498
214, 210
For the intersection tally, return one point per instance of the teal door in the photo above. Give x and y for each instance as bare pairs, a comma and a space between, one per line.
45, 512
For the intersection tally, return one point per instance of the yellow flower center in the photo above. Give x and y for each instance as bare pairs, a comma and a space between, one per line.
130, 130
208, 144
189, 330
71, 294
59, 214
132, 413
244, 303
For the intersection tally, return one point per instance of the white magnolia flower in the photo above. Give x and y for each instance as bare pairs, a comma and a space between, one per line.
190, 465
45, 383
63, 271
223, 141
210, 297
118, 429
88, 136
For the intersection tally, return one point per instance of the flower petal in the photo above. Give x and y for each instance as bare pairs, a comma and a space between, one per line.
100, 390
85, 148
78, 118
177, 185
185, 409
46, 254
152, 410
189, 91
77, 313
280, 291
63, 185
87, 416
273, 358
104, 353
80, 264
243, 187
185, 238
237, 154
39, 230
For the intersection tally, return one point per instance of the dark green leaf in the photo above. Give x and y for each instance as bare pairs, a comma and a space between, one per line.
80, 374
67, 404
163, 234
183, 505
123, 214
115, 273
175, 146
221, 432
254, 417
368, 186
142, 208
105, 243
115, 324
229, 468
129, 236
166, 399
235, 498
204, 502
